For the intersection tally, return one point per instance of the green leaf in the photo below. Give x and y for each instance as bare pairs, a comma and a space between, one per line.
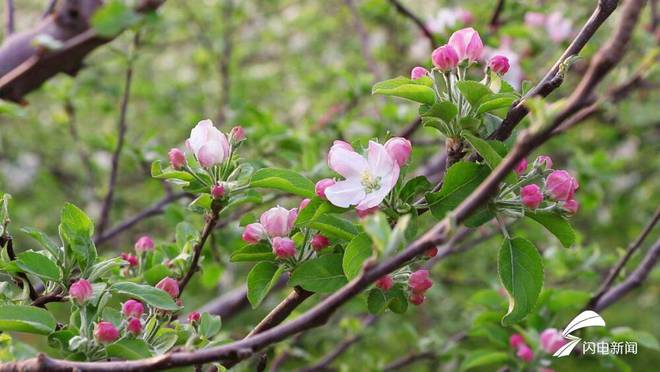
316, 208
27, 319
520, 268
445, 111
405, 88
284, 180
4, 211
473, 91
556, 224
39, 265
156, 273
461, 179
129, 349
334, 226
169, 174
165, 339
76, 230
395, 299
415, 186
261, 280
253, 252
44, 241
210, 325
151, 295
323, 274
249, 196
377, 227
483, 357
495, 102
113, 17
357, 251
490, 155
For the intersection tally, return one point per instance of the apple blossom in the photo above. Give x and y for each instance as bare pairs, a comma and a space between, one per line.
418, 72
561, 185
499, 64
194, 317
419, 281
431, 252
169, 285
444, 58
516, 340
132, 308
342, 144
551, 340
362, 213
319, 242
367, 181
399, 149
144, 244
531, 196
130, 259
217, 191
521, 167
278, 221
558, 27
467, 44
385, 283
534, 19
323, 184
416, 298
209, 145
237, 134
543, 161
177, 158
525, 353
283, 247
134, 326
81, 291
105, 332
571, 206
303, 204
254, 233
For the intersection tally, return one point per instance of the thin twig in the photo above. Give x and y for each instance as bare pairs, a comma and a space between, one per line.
7, 242
418, 22
121, 134
209, 226
9, 17
497, 13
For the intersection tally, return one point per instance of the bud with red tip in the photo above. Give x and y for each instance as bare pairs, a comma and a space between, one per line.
543, 161
283, 247
144, 244
105, 332
194, 317
177, 158
531, 196
521, 167
319, 242
431, 252
499, 64
323, 184
552, 340
254, 233
416, 298
130, 259
571, 206
525, 353
561, 185
132, 308
237, 134
362, 213
467, 44
169, 285
445, 58
399, 149
385, 282
419, 281
81, 291
516, 340
303, 204
217, 191
418, 72
134, 326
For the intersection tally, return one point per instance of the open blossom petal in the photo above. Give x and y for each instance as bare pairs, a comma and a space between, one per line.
345, 193
380, 161
208, 144
345, 162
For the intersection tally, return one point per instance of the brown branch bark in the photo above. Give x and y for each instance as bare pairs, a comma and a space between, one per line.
9, 17
416, 20
497, 13
24, 67
209, 226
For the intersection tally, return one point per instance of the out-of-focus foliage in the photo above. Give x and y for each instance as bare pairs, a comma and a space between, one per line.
297, 75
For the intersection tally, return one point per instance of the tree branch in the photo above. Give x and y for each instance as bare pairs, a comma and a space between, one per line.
418, 22
9, 17
495, 18
211, 220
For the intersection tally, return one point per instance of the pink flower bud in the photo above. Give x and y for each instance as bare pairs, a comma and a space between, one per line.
399, 149
319, 242
521, 167
81, 291
516, 340
561, 185
322, 185
432, 252
362, 213
419, 281
132, 308
543, 161
467, 44
130, 259
534, 19
217, 191
385, 282
444, 58
283, 247
209, 145
531, 196
177, 158
416, 298
418, 72
552, 340
254, 233
134, 326
571, 206
170, 286
499, 64
342, 145
144, 244
303, 204
278, 221
105, 332
525, 353
465, 16
194, 317
237, 134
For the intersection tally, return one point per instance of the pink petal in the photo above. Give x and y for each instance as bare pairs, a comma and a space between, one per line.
380, 161
349, 164
345, 193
